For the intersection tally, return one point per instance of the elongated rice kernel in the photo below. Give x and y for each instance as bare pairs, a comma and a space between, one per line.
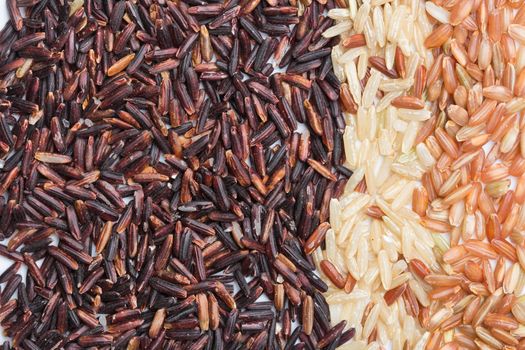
351, 55
337, 29
385, 269
389, 85
395, 23
362, 16
517, 32
379, 25
353, 81
339, 14
371, 88
437, 12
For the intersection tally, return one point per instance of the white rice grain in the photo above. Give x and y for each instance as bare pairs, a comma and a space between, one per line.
379, 26
362, 16
340, 14
351, 55
385, 269
437, 12
338, 29
353, 81
371, 88
419, 115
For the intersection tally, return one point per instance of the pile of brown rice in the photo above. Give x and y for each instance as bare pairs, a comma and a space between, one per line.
475, 188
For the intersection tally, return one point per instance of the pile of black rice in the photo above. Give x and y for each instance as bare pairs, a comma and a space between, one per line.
153, 179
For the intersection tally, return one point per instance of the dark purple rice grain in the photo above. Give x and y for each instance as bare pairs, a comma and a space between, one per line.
10, 272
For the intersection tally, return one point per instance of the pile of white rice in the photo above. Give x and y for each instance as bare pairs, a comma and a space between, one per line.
379, 143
